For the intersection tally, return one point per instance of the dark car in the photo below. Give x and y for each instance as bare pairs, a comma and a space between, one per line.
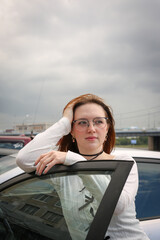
32, 207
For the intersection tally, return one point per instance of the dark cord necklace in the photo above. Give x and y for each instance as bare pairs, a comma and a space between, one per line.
92, 155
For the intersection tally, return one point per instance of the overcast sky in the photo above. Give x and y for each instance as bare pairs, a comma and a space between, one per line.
54, 50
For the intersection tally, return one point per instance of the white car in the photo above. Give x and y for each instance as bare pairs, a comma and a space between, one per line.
148, 197
30, 207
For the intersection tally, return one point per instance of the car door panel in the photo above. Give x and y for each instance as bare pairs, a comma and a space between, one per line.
62, 204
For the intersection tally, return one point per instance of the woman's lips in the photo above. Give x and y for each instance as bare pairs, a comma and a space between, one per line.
91, 138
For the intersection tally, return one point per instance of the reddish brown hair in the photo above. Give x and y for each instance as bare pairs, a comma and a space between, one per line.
66, 142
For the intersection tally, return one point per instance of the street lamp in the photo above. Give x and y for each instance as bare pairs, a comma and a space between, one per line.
26, 116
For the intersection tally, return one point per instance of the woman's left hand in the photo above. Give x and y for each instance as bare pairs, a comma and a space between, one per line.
47, 160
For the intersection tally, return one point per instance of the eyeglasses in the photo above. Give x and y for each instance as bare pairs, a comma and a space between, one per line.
82, 124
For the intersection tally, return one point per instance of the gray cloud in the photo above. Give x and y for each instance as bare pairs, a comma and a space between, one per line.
52, 51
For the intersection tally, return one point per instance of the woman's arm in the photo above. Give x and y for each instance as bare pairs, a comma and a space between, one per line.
48, 160
41, 144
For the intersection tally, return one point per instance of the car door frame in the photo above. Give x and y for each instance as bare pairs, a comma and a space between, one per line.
120, 169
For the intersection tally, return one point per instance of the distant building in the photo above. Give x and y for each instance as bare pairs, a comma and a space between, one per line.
35, 128
9, 130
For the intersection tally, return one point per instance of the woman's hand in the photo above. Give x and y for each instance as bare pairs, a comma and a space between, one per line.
47, 160
68, 112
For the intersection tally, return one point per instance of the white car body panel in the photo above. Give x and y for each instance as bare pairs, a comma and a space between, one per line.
137, 152
152, 228
11, 173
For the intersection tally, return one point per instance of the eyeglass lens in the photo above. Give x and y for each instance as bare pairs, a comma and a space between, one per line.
81, 124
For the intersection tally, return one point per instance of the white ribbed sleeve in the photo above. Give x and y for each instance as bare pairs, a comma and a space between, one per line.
42, 143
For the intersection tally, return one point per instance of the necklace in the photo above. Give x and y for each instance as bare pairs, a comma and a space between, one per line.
92, 155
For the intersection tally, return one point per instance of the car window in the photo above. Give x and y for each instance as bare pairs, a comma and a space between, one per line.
12, 145
148, 197
7, 163
56, 206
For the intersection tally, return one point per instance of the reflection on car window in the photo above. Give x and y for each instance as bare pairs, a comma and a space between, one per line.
148, 197
57, 206
12, 145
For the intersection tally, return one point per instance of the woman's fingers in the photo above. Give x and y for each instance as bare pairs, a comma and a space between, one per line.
41, 157
48, 160
49, 166
68, 112
43, 163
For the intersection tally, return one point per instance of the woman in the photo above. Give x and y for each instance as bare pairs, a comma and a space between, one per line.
86, 132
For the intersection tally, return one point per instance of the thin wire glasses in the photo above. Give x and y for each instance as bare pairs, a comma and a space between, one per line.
82, 124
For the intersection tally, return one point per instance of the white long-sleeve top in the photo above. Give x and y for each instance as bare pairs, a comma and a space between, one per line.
124, 224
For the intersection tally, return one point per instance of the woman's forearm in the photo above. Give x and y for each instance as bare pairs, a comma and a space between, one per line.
42, 143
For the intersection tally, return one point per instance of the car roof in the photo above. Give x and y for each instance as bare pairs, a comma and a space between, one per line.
129, 151
21, 137
10, 174
137, 152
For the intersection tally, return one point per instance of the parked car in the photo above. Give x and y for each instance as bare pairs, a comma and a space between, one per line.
12, 144
31, 208
148, 197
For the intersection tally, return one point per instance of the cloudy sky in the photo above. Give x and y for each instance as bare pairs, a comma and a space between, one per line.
54, 50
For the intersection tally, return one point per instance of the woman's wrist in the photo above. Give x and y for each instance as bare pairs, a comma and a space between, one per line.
72, 157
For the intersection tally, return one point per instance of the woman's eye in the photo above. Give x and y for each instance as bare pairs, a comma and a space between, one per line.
82, 123
98, 122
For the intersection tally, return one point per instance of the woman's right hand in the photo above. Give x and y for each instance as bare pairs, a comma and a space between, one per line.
47, 160
68, 112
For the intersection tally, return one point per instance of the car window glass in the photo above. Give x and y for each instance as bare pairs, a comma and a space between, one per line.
57, 206
12, 145
148, 197
7, 163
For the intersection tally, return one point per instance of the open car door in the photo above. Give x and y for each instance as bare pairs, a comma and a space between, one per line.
68, 203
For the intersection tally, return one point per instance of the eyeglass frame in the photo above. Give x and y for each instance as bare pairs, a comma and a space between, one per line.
88, 121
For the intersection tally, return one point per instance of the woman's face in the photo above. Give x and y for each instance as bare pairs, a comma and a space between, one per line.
91, 139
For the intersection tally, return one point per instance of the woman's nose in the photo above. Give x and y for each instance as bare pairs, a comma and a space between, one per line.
91, 127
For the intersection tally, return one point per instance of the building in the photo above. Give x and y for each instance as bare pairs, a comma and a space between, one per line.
34, 128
